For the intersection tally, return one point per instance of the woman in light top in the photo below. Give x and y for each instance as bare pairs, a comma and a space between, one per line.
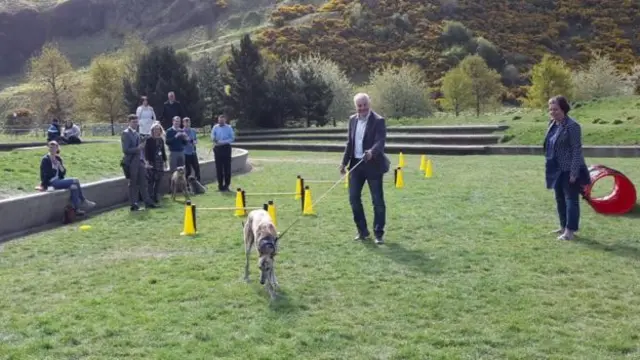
146, 117
71, 133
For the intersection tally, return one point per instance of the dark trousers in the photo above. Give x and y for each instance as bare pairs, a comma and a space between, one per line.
568, 202
222, 157
191, 161
137, 181
154, 177
357, 177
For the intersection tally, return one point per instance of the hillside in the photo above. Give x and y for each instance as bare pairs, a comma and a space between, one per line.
362, 35
86, 28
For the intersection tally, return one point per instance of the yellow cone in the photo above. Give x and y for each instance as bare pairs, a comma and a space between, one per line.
401, 162
240, 203
428, 172
271, 209
423, 163
298, 188
399, 178
308, 203
189, 227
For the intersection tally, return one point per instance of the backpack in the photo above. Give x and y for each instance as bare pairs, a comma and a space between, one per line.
69, 215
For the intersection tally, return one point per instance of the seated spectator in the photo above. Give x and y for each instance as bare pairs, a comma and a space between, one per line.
54, 133
71, 133
52, 173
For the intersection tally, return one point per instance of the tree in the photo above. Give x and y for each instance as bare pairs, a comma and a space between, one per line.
212, 87
284, 97
456, 88
246, 77
104, 98
400, 92
549, 77
340, 86
485, 82
316, 96
159, 72
133, 50
600, 79
49, 70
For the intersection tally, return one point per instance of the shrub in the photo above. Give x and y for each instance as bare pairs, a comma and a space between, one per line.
292, 12
550, 77
19, 124
332, 75
400, 92
600, 79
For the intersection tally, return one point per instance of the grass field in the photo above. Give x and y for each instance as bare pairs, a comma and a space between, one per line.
468, 271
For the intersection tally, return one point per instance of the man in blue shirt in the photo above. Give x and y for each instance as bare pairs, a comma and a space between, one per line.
190, 151
222, 136
176, 140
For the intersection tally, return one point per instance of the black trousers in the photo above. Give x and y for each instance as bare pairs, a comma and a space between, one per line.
222, 157
191, 161
154, 177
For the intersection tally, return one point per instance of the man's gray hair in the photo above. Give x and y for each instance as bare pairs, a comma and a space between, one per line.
361, 96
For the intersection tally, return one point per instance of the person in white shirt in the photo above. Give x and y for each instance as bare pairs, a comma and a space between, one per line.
146, 117
71, 133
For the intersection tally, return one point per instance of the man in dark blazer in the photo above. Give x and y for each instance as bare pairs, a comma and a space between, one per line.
132, 147
171, 109
366, 139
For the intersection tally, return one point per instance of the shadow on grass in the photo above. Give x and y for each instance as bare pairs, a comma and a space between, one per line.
634, 213
401, 255
617, 249
282, 304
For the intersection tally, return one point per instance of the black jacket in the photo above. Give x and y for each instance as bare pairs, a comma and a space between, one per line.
171, 110
151, 148
47, 172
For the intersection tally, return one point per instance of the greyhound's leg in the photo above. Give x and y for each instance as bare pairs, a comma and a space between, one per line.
274, 279
248, 243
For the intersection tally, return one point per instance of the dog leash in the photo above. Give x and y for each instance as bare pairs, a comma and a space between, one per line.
318, 199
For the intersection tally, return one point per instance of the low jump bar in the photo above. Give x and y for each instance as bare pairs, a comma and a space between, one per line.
231, 208
268, 194
320, 181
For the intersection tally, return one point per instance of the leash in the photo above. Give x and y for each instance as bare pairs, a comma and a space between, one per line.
318, 199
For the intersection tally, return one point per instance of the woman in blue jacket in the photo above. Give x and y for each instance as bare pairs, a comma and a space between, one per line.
565, 169
52, 173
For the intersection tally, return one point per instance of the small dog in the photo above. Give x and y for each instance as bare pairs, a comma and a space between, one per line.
179, 184
260, 231
196, 186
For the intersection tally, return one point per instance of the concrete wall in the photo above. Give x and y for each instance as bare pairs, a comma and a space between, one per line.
31, 213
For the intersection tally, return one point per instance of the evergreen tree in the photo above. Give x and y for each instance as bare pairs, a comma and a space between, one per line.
246, 77
284, 97
211, 88
159, 72
316, 97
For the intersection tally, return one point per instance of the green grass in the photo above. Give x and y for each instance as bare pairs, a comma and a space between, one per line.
20, 169
468, 271
611, 121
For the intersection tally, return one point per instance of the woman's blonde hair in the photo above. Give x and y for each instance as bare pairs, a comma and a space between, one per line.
157, 125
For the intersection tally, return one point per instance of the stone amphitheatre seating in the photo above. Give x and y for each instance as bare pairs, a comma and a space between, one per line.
31, 213
429, 140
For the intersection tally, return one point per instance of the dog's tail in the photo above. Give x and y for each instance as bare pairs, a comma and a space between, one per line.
243, 224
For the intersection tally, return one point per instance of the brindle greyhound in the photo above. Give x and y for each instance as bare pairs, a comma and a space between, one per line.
260, 231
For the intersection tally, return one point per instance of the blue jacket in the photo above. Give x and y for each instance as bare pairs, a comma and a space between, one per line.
175, 144
47, 172
563, 152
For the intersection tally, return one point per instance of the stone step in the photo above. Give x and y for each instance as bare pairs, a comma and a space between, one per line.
446, 129
440, 139
389, 148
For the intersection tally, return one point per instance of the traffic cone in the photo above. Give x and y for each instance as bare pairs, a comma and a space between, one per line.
401, 162
271, 209
308, 203
298, 188
428, 172
423, 163
240, 203
399, 178
189, 227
